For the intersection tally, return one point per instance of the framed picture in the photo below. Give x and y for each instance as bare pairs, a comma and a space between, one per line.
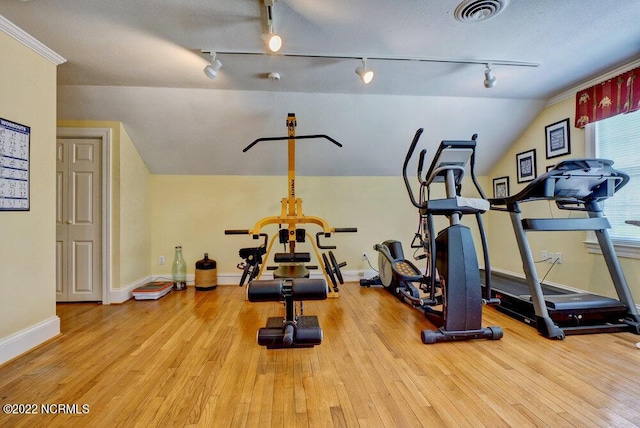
550, 167
557, 139
526, 165
501, 187
15, 166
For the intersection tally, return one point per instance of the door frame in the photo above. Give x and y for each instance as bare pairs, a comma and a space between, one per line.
105, 135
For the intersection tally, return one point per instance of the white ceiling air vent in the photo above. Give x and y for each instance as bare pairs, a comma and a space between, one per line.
479, 10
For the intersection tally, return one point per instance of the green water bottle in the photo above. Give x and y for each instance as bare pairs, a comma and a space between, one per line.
179, 271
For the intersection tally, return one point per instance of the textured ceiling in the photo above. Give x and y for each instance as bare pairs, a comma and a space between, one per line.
117, 50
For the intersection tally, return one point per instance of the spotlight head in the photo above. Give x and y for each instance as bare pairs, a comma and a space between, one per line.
273, 42
489, 79
211, 70
366, 74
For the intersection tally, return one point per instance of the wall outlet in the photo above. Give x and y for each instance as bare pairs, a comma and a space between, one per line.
558, 258
363, 256
161, 260
545, 256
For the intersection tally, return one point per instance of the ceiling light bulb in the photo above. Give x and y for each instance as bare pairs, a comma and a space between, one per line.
366, 74
489, 80
274, 42
211, 70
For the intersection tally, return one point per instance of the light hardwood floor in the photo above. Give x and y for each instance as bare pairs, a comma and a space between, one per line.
190, 359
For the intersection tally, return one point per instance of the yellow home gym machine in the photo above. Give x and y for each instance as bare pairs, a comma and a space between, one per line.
291, 281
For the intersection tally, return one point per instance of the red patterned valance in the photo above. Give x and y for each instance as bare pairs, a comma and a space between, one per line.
620, 94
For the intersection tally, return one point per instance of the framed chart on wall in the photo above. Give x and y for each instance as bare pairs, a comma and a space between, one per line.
558, 139
14, 166
526, 165
501, 187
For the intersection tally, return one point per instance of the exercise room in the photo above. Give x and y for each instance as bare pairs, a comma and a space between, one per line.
342, 213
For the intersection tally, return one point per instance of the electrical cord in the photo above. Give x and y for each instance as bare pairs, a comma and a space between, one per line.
369, 263
549, 270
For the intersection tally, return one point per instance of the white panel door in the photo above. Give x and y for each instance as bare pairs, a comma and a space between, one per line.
78, 220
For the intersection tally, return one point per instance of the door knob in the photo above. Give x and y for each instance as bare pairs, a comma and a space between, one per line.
69, 221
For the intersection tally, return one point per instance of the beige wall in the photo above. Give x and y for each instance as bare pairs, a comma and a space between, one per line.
129, 206
194, 211
27, 253
158, 212
135, 212
579, 269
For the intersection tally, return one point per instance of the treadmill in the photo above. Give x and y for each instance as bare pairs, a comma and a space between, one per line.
578, 185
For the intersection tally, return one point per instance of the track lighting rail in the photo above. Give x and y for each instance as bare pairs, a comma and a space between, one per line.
507, 63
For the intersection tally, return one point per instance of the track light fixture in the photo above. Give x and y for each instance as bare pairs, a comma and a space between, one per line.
489, 79
366, 74
272, 39
211, 70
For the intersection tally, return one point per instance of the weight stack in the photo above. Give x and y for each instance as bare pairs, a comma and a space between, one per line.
206, 274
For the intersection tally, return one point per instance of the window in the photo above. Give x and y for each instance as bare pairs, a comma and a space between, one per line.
618, 139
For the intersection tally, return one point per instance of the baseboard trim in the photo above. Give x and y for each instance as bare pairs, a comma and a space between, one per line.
25, 340
126, 293
123, 294
226, 278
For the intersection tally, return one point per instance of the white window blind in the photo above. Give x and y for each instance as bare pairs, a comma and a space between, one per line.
618, 139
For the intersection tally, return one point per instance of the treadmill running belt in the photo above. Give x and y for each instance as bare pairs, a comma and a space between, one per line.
562, 304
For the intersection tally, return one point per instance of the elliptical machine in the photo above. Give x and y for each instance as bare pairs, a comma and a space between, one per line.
452, 277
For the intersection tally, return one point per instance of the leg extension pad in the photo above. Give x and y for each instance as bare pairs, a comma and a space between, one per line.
292, 331
275, 290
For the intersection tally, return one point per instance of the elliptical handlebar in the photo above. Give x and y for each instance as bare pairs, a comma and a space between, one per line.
473, 172
412, 148
423, 152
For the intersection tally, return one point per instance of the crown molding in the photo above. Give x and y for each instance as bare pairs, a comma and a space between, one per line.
21, 36
594, 81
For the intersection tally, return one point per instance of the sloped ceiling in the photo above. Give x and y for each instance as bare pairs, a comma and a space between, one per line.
141, 62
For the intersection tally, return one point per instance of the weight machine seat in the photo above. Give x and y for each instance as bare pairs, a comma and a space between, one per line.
292, 257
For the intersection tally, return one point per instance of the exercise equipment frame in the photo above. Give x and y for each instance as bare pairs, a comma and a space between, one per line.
575, 185
291, 214
452, 267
